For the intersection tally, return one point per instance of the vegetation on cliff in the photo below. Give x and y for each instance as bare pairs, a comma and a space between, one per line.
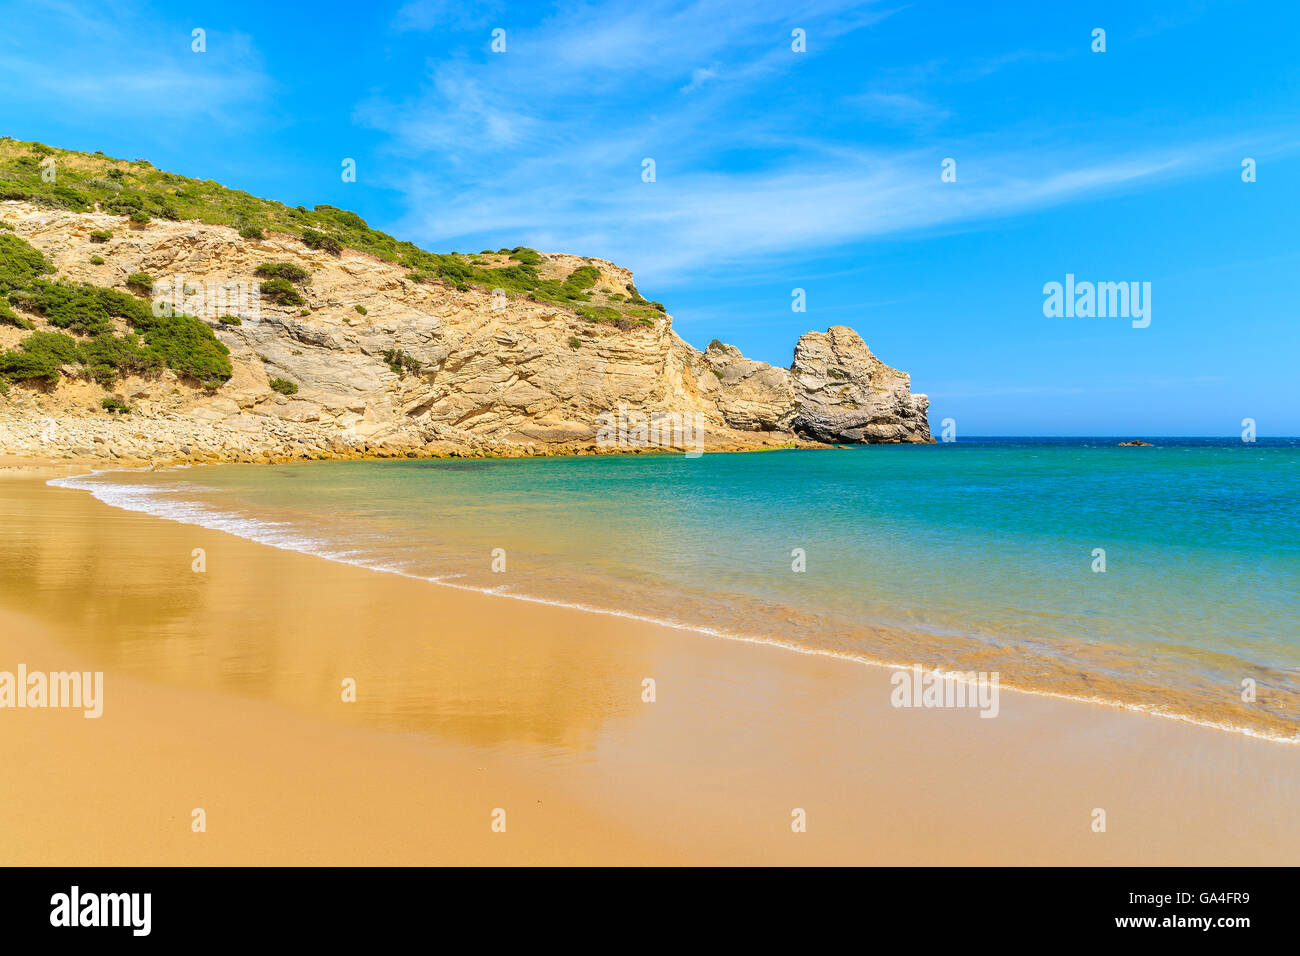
180, 342
135, 189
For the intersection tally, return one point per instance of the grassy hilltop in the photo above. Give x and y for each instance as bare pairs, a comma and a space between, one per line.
137, 191
81, 315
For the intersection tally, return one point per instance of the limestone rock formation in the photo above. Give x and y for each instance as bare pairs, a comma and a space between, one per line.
846, 394
836, 391
752, 396
423, 367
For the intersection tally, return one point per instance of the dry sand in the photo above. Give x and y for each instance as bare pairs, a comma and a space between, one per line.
223, 691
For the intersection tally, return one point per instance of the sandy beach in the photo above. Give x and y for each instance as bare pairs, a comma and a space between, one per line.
222, 691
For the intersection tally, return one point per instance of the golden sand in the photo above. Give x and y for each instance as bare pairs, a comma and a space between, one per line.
223, 691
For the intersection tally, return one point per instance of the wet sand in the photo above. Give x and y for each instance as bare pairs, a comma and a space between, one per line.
223, 691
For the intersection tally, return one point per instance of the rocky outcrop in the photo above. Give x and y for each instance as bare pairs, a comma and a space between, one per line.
752, 396
846, 394
836, 391
482, 374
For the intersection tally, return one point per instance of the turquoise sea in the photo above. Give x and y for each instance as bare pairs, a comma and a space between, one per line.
975, 555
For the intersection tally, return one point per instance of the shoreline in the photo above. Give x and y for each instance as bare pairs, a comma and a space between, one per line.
959, 676
548, 699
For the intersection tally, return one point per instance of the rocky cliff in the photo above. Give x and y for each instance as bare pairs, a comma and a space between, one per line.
362, 356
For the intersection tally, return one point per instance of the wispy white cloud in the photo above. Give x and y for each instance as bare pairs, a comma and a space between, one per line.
672, 228
698, 78
545, 143
651, 36
459, 116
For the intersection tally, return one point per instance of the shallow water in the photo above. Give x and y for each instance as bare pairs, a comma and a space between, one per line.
977, 555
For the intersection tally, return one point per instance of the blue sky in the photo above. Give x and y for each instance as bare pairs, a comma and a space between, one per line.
775, 170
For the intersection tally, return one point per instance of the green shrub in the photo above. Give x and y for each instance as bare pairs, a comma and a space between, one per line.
284, 386
101, 235
603, 314
230, 320
283, 270
400, 362
51, 195
122, 305
123, 203
114, 405
251, 231
313, 239
360, 309
140, 217
575, 343
185, 344
20, 263
140, 282
583, 277
96, 260
188, 347
77, 308
108, 356
105, 376
281, 291
39, 358
341, 217
9, 317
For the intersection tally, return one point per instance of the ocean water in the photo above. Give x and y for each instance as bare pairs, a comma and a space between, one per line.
980, 555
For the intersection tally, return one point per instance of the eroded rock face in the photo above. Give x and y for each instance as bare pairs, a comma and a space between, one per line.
752, 396
846, 394
836, 391
492, 377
